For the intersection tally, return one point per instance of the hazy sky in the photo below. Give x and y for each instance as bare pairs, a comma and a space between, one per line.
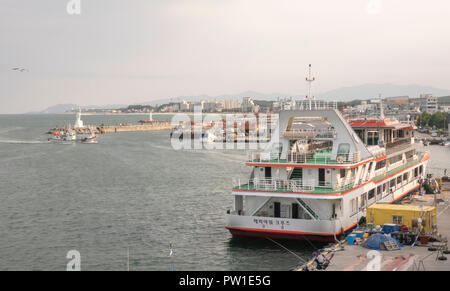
130, 51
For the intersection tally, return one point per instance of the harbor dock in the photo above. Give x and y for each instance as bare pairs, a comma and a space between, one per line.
417, 257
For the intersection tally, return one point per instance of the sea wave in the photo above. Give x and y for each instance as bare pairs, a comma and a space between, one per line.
9, 141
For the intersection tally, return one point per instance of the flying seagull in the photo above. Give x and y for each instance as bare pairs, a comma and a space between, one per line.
20, 69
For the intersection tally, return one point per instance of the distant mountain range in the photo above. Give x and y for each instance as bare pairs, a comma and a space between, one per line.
361, 92
371, 91
61, 108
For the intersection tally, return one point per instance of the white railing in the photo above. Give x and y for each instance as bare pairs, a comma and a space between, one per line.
310, 134
322, 158
315, 105
305, 158
262, 157
294, 185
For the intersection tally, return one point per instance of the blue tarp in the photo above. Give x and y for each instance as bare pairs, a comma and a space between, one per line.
388, 228
374, 241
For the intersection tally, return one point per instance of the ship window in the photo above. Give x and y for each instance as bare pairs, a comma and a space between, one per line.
342, 173
379, 192
363, 200
385, 189
395, 159
405, 177
372, 138
380, 165
359, 135
392, 184
371, 194
416, 173
354, 205
399, 180
344, 148
421, 169
396, 219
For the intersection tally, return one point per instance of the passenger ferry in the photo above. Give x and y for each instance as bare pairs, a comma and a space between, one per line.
319, 173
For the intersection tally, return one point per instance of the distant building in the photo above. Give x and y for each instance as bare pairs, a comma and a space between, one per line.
231, 104
448, 123
428, 103
397, 100
247, 104
288, 104
184, 106
193, 105
174, 107
212, 106
364, 106
276, 106
445, 108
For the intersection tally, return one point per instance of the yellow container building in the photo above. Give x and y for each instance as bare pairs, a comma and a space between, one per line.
380, 214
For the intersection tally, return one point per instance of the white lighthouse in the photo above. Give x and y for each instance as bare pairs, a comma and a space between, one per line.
78, 122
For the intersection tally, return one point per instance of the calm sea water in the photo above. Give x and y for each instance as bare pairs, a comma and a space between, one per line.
129, 191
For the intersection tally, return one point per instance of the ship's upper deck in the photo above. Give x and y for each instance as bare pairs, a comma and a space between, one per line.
319, 136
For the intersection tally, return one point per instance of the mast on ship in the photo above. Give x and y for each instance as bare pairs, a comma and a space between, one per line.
310, 79
381, 107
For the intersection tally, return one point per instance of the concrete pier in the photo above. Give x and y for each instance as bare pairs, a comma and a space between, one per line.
408, 258
100, 129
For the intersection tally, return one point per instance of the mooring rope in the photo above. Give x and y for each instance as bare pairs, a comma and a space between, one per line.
287, 249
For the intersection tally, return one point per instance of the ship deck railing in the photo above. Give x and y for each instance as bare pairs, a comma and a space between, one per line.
398, 145
293, 185
311, 134
397, 169
322, 157
312, 186
315, 105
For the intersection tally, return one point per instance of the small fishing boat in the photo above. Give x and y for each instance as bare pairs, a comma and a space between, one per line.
89, 139
63, 137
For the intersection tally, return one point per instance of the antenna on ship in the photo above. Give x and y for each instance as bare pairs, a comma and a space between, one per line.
310, 79
381, 107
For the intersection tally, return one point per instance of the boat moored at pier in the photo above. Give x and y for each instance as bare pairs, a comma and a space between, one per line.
320, 172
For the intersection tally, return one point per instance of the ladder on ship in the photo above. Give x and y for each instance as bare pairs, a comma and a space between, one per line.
297, 173
308, 209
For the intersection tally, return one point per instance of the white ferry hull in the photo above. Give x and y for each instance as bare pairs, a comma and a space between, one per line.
307, 229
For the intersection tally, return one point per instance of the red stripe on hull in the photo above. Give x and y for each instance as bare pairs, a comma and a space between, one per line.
303, 237
280, 234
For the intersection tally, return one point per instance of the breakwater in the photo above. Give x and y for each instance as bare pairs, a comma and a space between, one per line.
100, 129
